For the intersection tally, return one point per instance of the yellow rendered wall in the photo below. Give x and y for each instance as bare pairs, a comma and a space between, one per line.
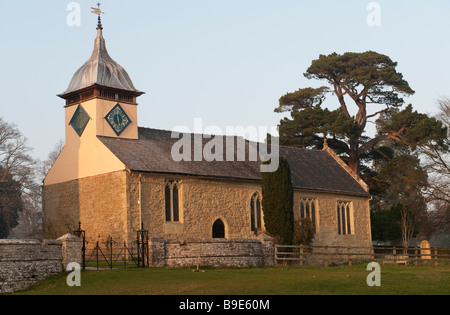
102, 108
87, 156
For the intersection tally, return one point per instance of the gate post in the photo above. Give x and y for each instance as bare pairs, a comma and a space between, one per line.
71, 250
82, 234
142, 244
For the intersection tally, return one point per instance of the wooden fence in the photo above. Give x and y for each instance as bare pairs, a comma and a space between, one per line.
338, 255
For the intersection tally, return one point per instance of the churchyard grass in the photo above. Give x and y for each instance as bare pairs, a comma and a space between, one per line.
339, 280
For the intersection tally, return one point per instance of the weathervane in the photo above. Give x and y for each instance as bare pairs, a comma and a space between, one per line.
99, 13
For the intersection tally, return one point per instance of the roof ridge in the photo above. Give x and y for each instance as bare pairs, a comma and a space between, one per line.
346, 167
311, 169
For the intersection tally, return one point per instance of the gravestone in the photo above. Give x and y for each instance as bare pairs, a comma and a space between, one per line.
425, 250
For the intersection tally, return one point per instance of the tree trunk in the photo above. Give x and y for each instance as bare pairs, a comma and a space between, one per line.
353, 160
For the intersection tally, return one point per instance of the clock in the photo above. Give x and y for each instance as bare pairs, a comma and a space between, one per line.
80, 120
118, 119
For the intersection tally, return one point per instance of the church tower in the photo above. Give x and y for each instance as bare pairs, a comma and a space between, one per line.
102, 87
100, 101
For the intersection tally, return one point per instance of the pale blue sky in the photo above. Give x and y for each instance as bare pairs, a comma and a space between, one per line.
225, 61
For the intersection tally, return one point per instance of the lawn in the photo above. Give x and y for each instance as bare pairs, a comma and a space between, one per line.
341, 280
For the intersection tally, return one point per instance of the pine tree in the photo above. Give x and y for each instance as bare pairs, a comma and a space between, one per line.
362, 82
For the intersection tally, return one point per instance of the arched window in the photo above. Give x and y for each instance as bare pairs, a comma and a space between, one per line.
172, 201
218, 230
344, 218
255, 212
308, 211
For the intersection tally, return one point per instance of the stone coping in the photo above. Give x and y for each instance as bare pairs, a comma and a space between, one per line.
30, 242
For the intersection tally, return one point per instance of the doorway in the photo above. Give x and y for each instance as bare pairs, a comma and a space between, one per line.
218, 230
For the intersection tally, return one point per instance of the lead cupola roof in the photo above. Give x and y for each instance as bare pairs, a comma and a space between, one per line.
101, 70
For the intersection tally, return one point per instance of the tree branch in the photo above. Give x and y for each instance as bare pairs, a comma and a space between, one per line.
377, 113
392, 135
340, 95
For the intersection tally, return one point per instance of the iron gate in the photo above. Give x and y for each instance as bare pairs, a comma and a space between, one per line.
109, 254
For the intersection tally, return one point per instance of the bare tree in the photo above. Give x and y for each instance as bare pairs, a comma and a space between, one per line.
18, 184
30, 219
407, 224
436, 161
15, 156
21, 178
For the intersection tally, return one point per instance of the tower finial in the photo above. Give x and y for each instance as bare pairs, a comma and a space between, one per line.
99, 13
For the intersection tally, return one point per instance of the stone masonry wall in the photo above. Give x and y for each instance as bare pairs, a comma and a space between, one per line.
212, 252
202, 202
116, 205
61, 210
104, 207
100, 203
327, 222
24, 263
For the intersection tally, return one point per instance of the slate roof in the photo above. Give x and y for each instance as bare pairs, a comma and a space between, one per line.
318, 170
311, 169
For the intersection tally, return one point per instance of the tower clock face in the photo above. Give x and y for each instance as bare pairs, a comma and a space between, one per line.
80, 120
118, 119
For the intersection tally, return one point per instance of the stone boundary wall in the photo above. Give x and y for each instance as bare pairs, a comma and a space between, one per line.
24, 263
212, 252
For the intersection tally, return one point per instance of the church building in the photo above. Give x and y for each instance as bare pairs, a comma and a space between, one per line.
114, 176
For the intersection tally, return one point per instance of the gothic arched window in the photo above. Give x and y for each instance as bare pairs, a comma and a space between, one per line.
344, 218
172, 201
308, 211
255, 212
